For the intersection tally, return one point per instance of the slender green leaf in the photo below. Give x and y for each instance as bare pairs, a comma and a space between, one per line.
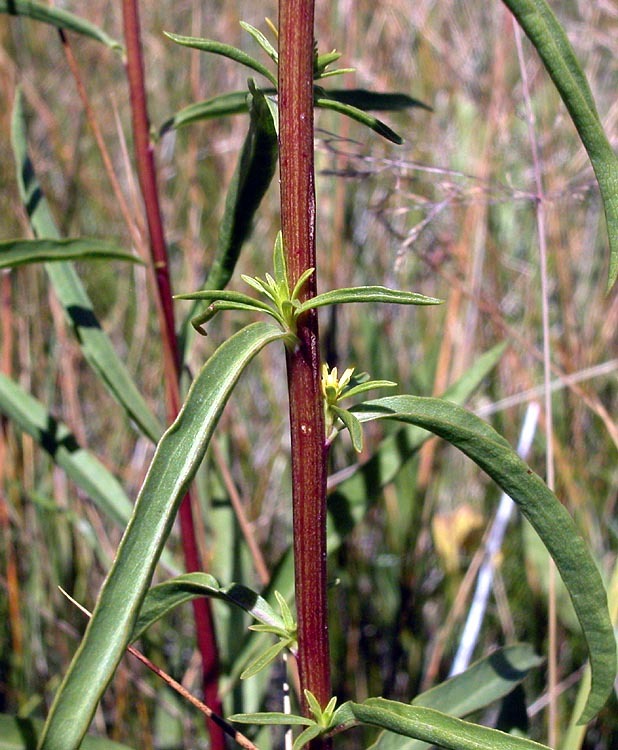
368, 294
274, 718
164, 597
59, 18
436, 728
372, 100
20, 252
357, 114
262, 41
353, 425
17, 733
550, 40
265, 658
486, 681
306, 736
224, 105
176, 460
95, 343
218, 48
554, 525
253, 175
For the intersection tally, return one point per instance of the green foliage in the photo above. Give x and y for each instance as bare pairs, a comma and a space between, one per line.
544, 31
128, 605
59, 18
178, 456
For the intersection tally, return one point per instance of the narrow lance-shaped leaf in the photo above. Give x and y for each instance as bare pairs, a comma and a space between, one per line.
436, 728
483, 683
357, 114
59, 18
550, 40
176, 460
20, 252
164, 597
554, 525
218, 48
253, 175
377, 101
95, 344
224, 105
367, 294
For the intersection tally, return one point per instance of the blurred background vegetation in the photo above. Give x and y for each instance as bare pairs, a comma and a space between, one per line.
451, 214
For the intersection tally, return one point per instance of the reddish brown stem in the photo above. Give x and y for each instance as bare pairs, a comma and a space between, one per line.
309, 452
158, 250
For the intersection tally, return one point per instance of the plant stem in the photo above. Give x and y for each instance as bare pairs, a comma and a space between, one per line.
309, 451
148, 184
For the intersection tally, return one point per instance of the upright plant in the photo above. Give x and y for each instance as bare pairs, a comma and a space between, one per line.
281, 121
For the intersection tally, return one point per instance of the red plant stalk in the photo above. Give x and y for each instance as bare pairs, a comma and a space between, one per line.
172, 365
309, 450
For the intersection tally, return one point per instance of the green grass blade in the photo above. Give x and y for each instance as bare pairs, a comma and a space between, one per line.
59, 18
95, 344
17, 733
551, 521
224, 105
357, 114
177, 458
20, 252
218, 48
80, 466
550, 40
436, 728
166, 596
486, 681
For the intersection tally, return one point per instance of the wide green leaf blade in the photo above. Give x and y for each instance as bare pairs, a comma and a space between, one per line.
550, 40
20, 252
164, 597
17, 733
233, 103
553, 524
368, 294
436, 728
57, 17
484, 682
357, 114
373, 100
218, 48
78, 310
177, 458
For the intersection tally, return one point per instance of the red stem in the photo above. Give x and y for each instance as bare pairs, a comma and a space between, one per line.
309, 451
144, 153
